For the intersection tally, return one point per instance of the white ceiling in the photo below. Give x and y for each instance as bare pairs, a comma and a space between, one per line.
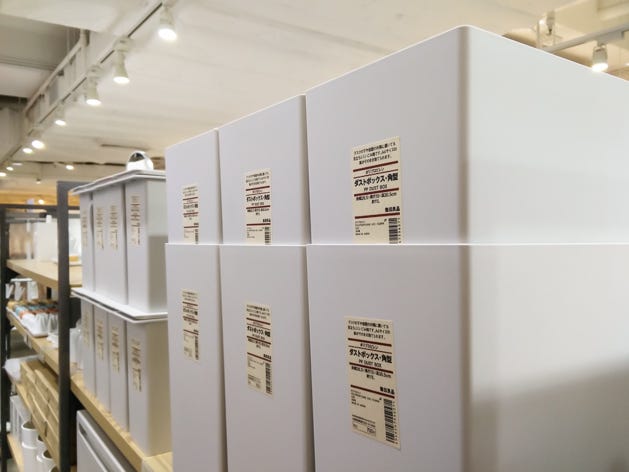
232, 57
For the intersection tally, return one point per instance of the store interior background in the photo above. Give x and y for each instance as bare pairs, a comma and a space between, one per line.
231, 58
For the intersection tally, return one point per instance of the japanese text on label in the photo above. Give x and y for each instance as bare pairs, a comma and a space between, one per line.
190, 207
259, 347
114, 348
190, 315
99, 228
136, 364
258, 206
113, 227
135, 219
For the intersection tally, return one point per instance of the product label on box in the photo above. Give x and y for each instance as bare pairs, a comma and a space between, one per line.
190, 314
84, 243
258, 206
259, 347
190, 206
136, 364
377, 193
99, 228
371, 374
114, 348
100, 339
135, 219
85, 331
113, 227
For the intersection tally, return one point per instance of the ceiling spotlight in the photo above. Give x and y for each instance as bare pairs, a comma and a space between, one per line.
69, 167
37, 143
27, 150
60, 119
120, 71
9, 168
17, 164
91, 93
3, 174
167, 25
599, 58
41, 201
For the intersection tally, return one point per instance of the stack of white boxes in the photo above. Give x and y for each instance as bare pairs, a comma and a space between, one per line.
467, 307
264, 190
124, 305
194, 305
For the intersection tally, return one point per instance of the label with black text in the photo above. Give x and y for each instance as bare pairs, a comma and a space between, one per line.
190, 315
136, 364
135, 219
258, 206
259, 347
113, 227
190, 207
99, 228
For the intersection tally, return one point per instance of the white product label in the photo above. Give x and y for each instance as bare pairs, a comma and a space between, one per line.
258, 206
100, 339
135, 218
377, 194
99, 228
84, 243
259, 347
190, 315
190, 206
113, 227
136, 364
114, 348
85, 331
372, 385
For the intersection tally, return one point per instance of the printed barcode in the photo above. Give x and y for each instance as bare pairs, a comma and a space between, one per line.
267, 372
389, 421
196, 348
394, 230
267, 235
196, 234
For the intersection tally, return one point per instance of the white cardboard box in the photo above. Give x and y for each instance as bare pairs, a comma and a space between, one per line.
264, 176
193, 180
524, 148
88, 351
101, 356
148, 380
523, 347
196, 358
146, 235
267, 358
118, 385
87, 240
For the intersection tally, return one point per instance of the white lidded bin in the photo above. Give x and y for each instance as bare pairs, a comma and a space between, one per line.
148, 385
443, 143
420, 353
95, 452
101, 356
264, 176
88, 351
196, 358
87, 240
193, 186
266, 349
146, 235
118, 385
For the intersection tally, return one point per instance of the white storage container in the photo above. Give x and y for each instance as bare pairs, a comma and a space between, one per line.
530, 341
193, 185
88, 351
87, 240
118, 386
268, 399
443, 143
146, 235
149, 398
95, 452
264, 176
196, 358
101, 356
110, 255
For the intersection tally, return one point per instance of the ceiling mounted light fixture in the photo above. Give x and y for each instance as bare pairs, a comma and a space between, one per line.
599, 58
27, 150
3, 174
37, 142
121, 77
10, 168
91, 93
60, 119
69, 167
166, 29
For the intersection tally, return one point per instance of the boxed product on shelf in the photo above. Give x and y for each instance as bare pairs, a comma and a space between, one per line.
196, 358
499, 350
193, 186
87, 240
264, 176
268, 403
88, 351
146, 235
442, 143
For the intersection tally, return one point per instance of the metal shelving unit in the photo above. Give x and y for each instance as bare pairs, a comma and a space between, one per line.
67, 401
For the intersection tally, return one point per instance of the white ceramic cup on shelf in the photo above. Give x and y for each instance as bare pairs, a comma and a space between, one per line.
29, 435
41, 447
29, 457
49, 463
41, 467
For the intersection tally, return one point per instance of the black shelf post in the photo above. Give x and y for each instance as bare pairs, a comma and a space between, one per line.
5, 341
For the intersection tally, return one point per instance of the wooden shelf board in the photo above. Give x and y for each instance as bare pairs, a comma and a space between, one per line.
39, 345
45, 272
160, 463
120, 437
21, 391
16, 451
